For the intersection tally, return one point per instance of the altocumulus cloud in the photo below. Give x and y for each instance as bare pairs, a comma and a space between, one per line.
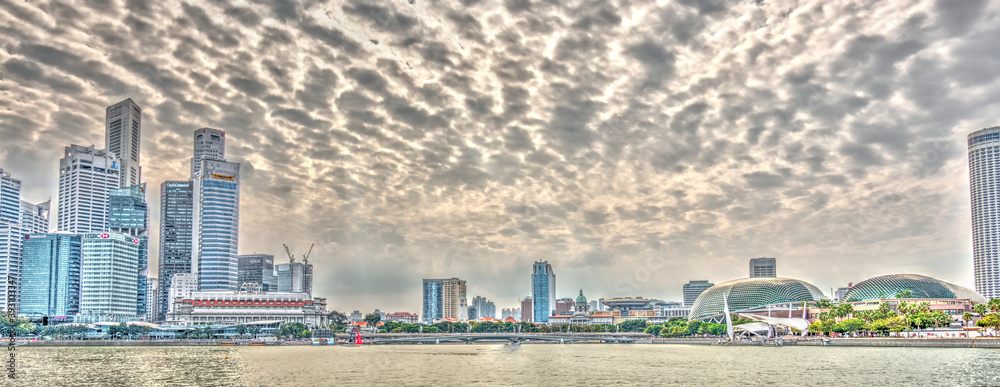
422, 139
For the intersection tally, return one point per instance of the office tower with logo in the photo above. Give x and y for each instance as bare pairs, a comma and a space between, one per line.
86, 176
123, 127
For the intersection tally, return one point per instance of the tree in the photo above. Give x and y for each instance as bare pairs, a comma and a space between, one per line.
966, 317
208, 332
653, 330
905, 293
373, 319
980, 309
242, 330
823, 303
254, 330
993, 304
633, 326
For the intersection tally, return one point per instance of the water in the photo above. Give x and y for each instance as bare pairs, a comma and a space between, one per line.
543, 364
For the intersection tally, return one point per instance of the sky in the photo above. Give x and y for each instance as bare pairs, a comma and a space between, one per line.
634, 145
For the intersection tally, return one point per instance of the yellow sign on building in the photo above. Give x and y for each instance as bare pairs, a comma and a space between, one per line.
223, 177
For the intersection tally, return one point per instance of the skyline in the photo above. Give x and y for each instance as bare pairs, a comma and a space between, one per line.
512, 136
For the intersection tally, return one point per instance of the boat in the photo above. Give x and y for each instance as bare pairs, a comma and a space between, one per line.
227, 343
257, 342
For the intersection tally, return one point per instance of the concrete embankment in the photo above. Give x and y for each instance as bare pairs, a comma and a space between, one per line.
903, 342
110, 343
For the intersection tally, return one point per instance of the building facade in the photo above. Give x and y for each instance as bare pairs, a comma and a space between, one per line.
50, 279
984, 187
128, 214
483, 308
209, 144
35, 217
258, 269
182, 286
403, 317
109, 281
11, 239
527, 310
176, 209
123, 128
454, 303
543, 291
216, 225
86, 175
433, 290
291, 277
763, 268
237, 307
693, 289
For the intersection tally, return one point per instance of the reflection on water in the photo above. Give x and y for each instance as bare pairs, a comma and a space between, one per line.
541, 364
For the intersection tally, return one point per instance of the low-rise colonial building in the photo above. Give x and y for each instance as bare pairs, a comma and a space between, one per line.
234, 307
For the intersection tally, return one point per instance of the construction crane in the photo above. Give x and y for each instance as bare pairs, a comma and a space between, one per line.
291, 258
305, 258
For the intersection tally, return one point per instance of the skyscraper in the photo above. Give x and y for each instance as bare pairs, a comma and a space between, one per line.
984, 187
128, 214
86, 175
50, 275
763, 268
35, 217
209, 144
453, 301
176, 206
258, 269
526, 310
123, 127
543, 291
290, 277
11, 235
483, 308
693, 289
109, 277
216, 216
432, 308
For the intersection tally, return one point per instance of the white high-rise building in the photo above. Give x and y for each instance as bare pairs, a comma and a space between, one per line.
85, 177
11, 234
182, 286
984, 186
123, 127
209, 144
35, 217
109, 277
215, 217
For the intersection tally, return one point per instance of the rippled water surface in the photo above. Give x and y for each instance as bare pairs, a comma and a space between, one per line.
545, 364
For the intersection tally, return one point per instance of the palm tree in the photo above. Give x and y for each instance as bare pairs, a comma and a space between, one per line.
980, 309
241, 330
967, 317
993, 304
905, 293
254, 330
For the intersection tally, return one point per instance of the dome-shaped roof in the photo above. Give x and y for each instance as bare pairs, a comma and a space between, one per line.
750, 293
920, 286
581, 299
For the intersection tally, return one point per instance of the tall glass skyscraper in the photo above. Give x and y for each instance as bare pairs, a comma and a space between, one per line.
432, 309
50, 275
258, 269
176, 206
123, 127
216, 225
984, 186
128, 214
543, 291
86, 175
109, 277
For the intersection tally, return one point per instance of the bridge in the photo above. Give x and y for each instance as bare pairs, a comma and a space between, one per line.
514, 338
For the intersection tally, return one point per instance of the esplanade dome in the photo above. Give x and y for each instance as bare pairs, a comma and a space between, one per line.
751, 293
920, 286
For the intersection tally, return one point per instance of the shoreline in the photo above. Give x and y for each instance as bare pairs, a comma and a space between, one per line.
835, 342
